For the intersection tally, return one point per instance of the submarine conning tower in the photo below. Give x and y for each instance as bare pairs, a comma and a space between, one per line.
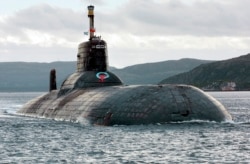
92, 63
92, 55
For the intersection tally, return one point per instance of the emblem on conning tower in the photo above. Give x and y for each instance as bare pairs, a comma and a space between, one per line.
102, 76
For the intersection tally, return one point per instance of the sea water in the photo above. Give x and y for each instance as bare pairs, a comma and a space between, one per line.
36, 140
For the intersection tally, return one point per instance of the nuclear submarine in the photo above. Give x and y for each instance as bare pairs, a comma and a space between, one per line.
98, 96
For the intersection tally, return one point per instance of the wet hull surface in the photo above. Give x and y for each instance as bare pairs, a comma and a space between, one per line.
129, 105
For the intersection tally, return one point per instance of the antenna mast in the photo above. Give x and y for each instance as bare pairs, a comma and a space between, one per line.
91, 21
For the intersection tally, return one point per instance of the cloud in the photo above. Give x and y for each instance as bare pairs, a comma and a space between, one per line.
168, 29
174, 17
43, 21
33, 53
140, 18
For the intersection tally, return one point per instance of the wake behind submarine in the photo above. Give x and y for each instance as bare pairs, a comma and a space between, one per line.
98, 96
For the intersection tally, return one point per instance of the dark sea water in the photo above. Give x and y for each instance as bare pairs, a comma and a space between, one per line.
33, 140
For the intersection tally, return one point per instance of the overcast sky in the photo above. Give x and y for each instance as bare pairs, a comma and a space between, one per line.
137, 31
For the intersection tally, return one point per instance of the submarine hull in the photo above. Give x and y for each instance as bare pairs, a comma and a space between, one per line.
127, 105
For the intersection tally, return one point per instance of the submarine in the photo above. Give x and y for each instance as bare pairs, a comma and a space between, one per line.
98, 96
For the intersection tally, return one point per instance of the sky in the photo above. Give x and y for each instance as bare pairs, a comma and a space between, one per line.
137, 31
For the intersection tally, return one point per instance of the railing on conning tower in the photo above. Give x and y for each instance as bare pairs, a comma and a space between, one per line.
92, 55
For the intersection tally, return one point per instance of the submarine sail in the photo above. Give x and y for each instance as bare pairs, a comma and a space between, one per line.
97, 95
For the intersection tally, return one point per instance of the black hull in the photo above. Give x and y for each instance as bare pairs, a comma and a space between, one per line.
127, 105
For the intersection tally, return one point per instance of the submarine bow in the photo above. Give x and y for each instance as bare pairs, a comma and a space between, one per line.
99, 96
